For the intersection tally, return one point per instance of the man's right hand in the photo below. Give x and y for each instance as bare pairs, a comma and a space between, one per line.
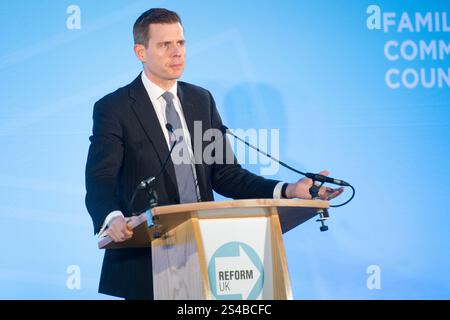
119, 230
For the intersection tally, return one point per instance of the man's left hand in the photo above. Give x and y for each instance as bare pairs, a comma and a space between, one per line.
301, 189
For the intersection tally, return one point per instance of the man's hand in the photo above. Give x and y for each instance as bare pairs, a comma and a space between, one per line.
119, 230
301, 189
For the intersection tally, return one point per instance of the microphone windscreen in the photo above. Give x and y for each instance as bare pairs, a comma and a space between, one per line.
169, 127
224, 129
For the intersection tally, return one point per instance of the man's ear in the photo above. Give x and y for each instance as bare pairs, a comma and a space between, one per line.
140, 52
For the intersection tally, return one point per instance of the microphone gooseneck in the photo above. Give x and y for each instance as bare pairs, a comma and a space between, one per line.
147, 183
313, 176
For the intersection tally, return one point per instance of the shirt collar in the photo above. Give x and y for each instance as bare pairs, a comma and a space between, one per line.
154, 91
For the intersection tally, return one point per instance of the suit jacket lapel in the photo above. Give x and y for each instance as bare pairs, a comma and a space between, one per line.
146, 115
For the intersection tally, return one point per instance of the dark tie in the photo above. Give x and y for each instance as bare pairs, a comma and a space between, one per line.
182, 161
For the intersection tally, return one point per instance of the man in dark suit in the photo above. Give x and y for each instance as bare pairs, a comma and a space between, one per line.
130, 143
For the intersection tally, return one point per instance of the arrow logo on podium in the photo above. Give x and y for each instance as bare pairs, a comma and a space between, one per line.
236, 272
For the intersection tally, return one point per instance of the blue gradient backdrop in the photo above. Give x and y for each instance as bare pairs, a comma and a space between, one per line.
311, 68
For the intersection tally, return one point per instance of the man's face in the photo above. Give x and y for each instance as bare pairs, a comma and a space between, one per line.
164, 57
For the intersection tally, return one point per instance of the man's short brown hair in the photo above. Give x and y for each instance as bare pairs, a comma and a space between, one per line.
141, 30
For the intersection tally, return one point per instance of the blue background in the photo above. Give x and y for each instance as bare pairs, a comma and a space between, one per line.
310, 68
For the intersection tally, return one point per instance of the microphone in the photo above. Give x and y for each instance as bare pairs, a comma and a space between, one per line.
146, 183
322, 178
313, 176
169, 127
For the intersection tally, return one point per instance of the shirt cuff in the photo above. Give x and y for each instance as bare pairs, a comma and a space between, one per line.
277, 190
108, 219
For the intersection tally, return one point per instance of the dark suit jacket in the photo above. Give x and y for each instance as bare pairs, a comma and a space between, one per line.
128, 146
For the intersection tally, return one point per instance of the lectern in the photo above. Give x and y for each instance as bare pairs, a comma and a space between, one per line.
220, 250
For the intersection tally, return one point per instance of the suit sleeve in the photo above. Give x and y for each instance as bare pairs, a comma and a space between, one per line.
229, 178
103, 164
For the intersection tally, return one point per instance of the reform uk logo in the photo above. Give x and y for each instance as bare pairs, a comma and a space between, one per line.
236, 272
